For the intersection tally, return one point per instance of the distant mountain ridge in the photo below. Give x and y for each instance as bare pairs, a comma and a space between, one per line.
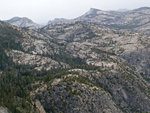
137, 20
23, 22
59, 20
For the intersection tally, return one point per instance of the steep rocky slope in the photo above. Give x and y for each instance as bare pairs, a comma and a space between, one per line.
133, 20
74, 67
104, 48
86, 40
15, 43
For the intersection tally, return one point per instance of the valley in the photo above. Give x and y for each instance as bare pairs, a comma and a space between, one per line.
98, 62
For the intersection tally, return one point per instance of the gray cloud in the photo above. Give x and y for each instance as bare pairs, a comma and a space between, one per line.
43, 10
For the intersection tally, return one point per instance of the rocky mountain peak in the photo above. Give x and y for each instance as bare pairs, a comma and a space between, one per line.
23, 22
94, 10
15, 18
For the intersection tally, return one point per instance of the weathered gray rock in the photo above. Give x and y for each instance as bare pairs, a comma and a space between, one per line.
3, 110
23, 22
131, 20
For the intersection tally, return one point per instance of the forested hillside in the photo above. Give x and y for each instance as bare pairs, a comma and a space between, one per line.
73, 67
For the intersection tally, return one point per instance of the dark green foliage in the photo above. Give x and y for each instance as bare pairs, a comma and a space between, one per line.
74, 62
98, 51
14, 92
9, 39
16, 89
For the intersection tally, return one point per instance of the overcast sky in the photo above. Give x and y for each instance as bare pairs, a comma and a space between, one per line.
41, 11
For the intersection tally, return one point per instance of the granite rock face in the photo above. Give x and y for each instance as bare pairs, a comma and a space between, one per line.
23, 22
88, 67
136, 20
3, 110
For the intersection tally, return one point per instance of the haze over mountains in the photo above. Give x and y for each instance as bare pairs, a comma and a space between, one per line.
137, 20
23, 22
98, 62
